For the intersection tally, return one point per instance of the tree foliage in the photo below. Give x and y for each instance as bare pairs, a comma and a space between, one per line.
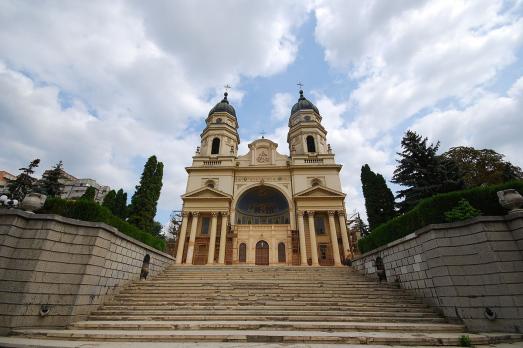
50, 184
379, 200
89, 194
463, 211
120, 204
108, 200
423, 172
144, 201
175, 223
362, 226
482, 167
23, 183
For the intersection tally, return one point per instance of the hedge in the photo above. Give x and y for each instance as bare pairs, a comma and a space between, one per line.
92, 211
432, 211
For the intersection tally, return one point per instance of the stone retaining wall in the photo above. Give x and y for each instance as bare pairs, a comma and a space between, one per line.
67, 265
461, 268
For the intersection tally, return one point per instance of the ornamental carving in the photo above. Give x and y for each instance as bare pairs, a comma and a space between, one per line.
263, 157
265, 178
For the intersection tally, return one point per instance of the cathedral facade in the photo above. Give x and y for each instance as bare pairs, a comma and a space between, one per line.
263, 207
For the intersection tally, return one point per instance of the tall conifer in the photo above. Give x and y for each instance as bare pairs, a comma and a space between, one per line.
423, 172
143, 204
379, 200
120, 204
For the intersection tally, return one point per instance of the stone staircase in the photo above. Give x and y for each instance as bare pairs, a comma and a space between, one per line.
265, 304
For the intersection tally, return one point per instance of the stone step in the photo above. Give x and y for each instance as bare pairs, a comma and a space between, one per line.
266, 325
346, 337
266, 317
233, 303
257, 306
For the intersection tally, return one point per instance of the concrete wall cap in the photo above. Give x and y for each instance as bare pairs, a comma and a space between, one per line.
75, 222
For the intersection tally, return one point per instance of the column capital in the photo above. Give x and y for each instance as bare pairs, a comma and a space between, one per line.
185, 213
301, 212
214, 213
310, 212
224, 213
341, 213
332, 212
195, 213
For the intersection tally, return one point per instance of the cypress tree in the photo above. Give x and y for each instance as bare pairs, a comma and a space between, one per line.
120, 204
143, 204
89, 194
423, 172
109, 200
379, 200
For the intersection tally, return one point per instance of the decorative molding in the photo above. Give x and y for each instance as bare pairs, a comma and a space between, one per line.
310, 212
332, 212
224, 213
195, 213
267, 178
213, 214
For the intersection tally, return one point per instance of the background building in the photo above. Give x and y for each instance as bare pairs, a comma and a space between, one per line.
4, 177
74, 188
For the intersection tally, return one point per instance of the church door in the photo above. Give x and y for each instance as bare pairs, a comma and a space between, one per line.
262, 253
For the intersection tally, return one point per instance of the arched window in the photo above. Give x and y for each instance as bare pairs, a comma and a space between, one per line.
215, 149
218, 120
281, 252
311, 146
242, 253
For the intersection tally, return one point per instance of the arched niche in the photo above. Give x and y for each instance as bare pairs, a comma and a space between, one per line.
262, 205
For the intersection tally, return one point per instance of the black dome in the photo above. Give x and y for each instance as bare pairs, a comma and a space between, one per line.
223, 106
303, 104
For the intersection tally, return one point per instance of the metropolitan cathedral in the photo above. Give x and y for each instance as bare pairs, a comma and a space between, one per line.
263, 207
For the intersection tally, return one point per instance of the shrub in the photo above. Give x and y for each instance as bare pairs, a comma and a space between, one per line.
464, 341
91, 211
432, 211
462, 211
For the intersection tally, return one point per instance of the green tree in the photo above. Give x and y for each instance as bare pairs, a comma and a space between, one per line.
482, 166
144, 201
362, 226
89, 194
120, 204
51, 185
379, 200
423, 172
109, 200
463, 211
23, 183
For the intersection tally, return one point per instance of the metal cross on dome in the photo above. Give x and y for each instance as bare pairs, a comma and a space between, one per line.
300, 84
227, 87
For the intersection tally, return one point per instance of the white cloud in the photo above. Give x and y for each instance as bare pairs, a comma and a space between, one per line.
281, 105
408, 56
491, 122
105, 85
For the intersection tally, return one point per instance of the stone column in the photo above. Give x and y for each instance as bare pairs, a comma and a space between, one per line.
192, 237
301, 230
181, 238
314, 245
223, 239
344, 237
212, 241
334, 239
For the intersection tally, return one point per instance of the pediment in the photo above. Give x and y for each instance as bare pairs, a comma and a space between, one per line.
320, 191
206, 192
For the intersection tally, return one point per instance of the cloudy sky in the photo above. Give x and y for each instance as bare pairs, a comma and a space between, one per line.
103, 85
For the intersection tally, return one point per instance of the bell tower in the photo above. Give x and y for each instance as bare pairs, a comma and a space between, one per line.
220, 137
306, 137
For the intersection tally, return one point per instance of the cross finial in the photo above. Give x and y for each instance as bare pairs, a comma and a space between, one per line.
262, 134
227, 87
299, 84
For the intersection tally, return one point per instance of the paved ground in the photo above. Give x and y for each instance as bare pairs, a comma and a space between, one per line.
13, 342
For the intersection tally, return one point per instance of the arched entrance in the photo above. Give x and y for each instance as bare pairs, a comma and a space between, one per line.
262, 253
